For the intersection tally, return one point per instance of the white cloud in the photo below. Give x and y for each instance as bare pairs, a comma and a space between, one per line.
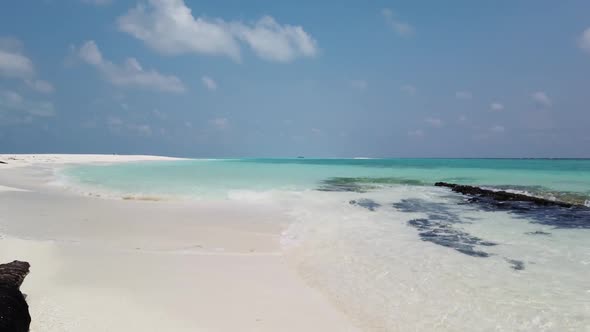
131, 73
209, 83
401, 28
497, 129
170, 28
90, 53
219, 123
14, 64
116, 124
11, 101
359, 84
463, 95
114, 121
434, 122
409, 89
584, 40
540, 98
496, 107
140, 129
160, 115
275, 42
40, 86
416, 133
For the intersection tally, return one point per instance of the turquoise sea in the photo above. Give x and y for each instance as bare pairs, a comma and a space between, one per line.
569, 178
394, 252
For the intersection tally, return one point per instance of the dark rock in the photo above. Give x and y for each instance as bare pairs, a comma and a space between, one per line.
537, 210
538, 233
3, 162
368, 204
516, 264
14, 311
439, 228
501, 196
438, 232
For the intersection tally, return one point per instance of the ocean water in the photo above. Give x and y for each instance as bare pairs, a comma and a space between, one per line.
396, 253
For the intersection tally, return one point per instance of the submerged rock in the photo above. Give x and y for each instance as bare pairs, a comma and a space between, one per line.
363, 184
368, 204
439, 232
516, 264
343, 185
439, 228
14, 310
538, 233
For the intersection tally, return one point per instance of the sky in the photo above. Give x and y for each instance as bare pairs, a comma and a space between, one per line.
254, 78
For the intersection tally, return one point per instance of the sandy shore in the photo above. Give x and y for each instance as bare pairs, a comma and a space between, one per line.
118, 265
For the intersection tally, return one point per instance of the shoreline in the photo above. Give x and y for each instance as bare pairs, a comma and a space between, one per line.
177, 266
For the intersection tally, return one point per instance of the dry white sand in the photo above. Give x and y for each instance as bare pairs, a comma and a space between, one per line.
19, 160
117, 265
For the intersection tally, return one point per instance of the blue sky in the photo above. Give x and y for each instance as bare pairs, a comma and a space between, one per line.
286, 78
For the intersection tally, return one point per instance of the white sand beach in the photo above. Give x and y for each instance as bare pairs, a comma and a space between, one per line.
130, 265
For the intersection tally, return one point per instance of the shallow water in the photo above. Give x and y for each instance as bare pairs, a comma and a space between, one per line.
396, 253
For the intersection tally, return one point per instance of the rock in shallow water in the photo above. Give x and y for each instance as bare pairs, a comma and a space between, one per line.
501, 196
537, 233
368, 204
439, 228
516, 264
538, 210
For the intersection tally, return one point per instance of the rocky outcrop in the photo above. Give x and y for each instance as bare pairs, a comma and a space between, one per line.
534, 209
14, 310
501, 196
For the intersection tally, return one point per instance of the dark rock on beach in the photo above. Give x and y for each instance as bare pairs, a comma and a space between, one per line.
3, 162
14, 311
